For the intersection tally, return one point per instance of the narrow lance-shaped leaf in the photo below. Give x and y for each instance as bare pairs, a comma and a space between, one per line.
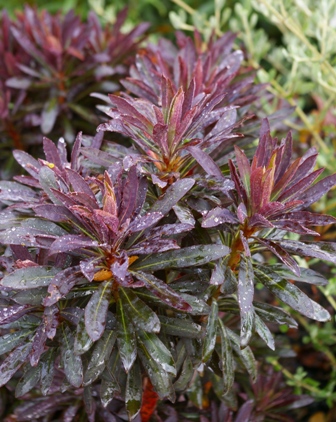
189, 256
29, 278
133, 391
126, 337
13, 362
173, 194
274, 314
321, 250
163, 291
12, 313
264, 332
11, 340
184, 328
157, 350
28, 381
100, 356
211, 332
47, 363
83, 341
245, 355
96, 311
245, 300
218, 216
292, 295
72, 363
141, 314
282, 254
205, 161
226, 357
160, 379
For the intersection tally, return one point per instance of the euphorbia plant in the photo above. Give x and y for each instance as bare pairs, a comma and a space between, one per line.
134, 274
141, 271
50, 64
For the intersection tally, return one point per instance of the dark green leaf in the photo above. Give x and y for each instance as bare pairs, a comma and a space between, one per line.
157, 350
141, 314
9, 341
226, 357
245, 300
186, 375
160, 379
32, 296
186, 257
180, 327
28, 381
126, 337
306, 275
264, 332
29, 278
211, 332
133, 393
47, 363
163, 291
245, 355
292, 295
100, 356
83, 341
96, 311
274, 314
72, 363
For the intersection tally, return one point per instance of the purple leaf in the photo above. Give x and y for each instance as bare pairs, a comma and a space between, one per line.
321, 250
79, 184
51, 153
75, 152
119, 267
13, 362
15, 192
38, 345
30, 164
257, 220
71, 242
145, 221
281, 254
309, 218
130, 192
12, 313
153, 246
163, 291
243, 167
320, 188
294, 191
96, 311
56, 213
61, 284
218, 216
205, 161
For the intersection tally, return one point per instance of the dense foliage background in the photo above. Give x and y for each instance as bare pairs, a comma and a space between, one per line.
289, 55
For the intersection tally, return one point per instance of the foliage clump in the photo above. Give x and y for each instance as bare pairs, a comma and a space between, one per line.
134, 263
